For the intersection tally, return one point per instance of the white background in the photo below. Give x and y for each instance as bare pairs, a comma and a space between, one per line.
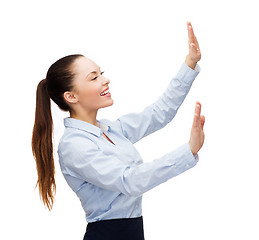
140, 45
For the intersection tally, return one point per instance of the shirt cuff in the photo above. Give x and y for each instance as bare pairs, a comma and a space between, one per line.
196, 156
187, 74
196, 69
184, 156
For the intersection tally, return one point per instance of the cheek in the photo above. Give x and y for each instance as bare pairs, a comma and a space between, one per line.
89, 95
92, 94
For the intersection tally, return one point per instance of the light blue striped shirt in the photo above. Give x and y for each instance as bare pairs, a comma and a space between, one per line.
109, 179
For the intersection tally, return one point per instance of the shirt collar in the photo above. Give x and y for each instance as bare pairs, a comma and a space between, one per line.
85, 126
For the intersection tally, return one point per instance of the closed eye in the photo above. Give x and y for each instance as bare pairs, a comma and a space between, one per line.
97, 76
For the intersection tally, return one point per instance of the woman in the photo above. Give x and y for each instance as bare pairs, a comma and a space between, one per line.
97, 157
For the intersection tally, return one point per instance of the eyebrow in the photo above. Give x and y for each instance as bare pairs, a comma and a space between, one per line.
92, 72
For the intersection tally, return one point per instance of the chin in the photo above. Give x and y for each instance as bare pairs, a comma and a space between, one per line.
108, 104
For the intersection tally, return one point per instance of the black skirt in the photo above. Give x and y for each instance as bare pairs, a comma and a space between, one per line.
116, 229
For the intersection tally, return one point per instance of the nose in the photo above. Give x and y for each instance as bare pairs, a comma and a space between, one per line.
106, 80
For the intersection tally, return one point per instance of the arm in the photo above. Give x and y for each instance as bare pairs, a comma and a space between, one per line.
155, 116
135, 126
82, 159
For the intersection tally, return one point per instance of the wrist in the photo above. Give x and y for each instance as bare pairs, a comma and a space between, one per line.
190, 62
193, 152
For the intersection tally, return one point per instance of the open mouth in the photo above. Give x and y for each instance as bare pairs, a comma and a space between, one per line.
105, 92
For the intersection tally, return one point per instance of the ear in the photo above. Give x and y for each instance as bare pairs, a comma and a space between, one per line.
70, 97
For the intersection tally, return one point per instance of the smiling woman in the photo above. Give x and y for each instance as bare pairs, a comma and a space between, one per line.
97, 157
85, 98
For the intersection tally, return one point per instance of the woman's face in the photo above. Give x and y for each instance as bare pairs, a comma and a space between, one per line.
90, 84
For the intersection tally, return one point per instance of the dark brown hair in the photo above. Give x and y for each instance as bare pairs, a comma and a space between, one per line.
59, 79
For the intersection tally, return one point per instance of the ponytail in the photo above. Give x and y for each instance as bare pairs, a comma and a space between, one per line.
42, 146
59, 79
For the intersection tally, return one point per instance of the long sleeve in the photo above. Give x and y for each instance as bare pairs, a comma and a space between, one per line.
135, 126
109, 179
82, 159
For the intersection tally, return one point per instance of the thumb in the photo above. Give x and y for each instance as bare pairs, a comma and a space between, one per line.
202, 121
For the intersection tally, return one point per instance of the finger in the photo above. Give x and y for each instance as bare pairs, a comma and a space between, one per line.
198, 108
190, 33
192, 45
196, 42
202, 121
196, 119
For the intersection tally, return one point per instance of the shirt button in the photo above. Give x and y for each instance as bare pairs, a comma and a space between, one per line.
137, 205
188, 165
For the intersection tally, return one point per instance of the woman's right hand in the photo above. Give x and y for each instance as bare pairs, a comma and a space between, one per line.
197, 134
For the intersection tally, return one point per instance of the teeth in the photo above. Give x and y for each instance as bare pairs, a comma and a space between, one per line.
107, 91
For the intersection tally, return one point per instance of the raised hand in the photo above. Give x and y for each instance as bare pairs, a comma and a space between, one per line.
197, 135
194, 50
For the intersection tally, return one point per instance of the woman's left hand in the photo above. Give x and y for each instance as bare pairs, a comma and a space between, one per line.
194, 50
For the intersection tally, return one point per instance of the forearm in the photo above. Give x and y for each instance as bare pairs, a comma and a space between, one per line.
143, 177
156, 115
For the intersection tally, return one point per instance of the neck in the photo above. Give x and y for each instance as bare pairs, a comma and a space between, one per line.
89, 117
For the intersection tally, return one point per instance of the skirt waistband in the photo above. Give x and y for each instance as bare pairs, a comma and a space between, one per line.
115, 229
115, 220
